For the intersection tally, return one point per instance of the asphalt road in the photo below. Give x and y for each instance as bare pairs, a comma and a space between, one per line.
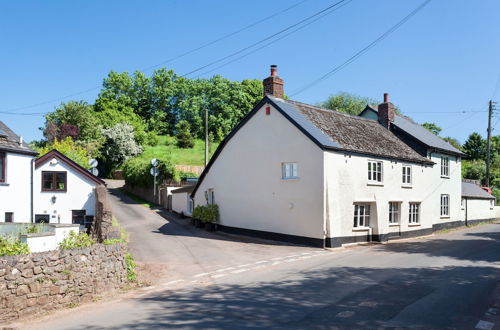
218, 282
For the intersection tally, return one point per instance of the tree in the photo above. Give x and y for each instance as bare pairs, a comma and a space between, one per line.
475, 147
184, 137
70, 148
433, 128
119, 144
454, 142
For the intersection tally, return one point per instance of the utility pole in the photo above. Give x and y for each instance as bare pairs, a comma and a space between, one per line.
488, 144
206, 137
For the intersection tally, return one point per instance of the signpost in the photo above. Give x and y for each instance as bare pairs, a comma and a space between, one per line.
155, 171
93, 167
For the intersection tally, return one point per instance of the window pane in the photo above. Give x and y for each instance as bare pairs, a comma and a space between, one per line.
294, 168
2, 167
61, 181
47, 181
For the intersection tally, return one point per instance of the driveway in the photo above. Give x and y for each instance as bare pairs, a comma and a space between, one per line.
440, 282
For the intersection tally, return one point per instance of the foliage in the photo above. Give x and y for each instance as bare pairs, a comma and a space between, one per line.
454, 142
184, 138
31, 228
120, 144
475, 147
113, 241
10, 246
475, 169
433, 128
136, 172
206, 213
76, 241
131, 274
69, 148
184, 175
348, 103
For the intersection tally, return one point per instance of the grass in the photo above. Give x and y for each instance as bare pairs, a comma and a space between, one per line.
166, 148
137, 199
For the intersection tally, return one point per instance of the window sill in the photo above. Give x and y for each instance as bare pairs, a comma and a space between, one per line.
444, 177
394, 225
290, 179
406, 186
444, 217
414, 225
4, 184
361, 228
54, 191
379, 184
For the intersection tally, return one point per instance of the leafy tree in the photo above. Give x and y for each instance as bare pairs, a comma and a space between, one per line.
454, 142
119, 144
475, 147
136, 172
74, 150
184, 137
433, 128
348, 103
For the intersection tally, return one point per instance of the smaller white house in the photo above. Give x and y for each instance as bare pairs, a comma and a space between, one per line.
477, 204
64, 192
181, 200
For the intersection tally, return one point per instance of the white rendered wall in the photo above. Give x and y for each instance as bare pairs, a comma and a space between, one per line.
180, 203
15, 193
80, 194
478, 209
248, 185
347, 183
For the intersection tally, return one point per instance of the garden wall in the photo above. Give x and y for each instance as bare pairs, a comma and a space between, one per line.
39, 282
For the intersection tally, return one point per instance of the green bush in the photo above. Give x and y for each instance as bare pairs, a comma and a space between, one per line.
10, 246
76, 241
184, 138
136, 172
113, 241
131, 274
206, 213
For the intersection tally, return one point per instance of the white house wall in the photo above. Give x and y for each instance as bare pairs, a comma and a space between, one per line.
180, 203
247, 179
478, 209
80, 194
16, 191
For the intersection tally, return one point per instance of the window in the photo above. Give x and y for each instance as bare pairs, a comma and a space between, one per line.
406, 175
463, 203
414, 215
492, 203
9, 216
361, 215
2, 167
54, 181
190, 206
393, 212
211, 197
445, 166
374, 171
78, 217
289, 171
445, 205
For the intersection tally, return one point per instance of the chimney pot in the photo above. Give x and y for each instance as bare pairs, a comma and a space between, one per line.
386, 112
273, 85
386, 97
274, 70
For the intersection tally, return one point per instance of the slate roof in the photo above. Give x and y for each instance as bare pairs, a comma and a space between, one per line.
421, 134
185, 189
472, 190
340, 131
9, 141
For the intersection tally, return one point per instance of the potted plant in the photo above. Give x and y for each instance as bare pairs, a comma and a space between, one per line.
211, 217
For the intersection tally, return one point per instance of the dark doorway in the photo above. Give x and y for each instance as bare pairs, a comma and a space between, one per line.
78, 217
42, 218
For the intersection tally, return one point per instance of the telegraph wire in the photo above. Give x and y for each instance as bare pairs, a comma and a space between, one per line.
363, 50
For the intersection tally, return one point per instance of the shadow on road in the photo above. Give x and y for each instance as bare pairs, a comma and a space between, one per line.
343, 297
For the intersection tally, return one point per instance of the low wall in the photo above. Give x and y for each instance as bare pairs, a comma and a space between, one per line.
35, 283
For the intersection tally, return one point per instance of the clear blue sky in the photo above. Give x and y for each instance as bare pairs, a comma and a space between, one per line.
446, 58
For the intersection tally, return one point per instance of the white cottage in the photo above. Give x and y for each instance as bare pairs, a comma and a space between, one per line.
295, 172
64, 191
16, 175
477, 204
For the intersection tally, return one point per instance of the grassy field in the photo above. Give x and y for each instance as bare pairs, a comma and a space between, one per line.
166, 148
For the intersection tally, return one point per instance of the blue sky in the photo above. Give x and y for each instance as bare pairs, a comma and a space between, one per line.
445, 59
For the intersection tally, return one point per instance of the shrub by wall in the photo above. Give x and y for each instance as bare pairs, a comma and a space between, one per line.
39, 282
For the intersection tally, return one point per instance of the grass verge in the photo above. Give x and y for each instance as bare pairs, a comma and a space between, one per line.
137, 199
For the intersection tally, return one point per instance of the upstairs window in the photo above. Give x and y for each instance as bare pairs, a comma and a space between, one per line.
445, 205
445, 166
407, 175
54, 181
374, 171
393, 212
361, 215
2, 167
414, 215
289, 171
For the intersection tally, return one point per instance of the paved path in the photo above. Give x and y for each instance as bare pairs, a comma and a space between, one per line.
439, 282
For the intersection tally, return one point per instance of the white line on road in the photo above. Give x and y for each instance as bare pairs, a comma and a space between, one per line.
240, 271
225, 269
276, 263
291, 260
219, 275
202, 274
173, 282
484, 325
261, 262
245, 265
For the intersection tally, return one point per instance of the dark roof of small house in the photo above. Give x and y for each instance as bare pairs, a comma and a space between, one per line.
421, 134
186, 189
341, 131
9, 141
56, 154
472, 190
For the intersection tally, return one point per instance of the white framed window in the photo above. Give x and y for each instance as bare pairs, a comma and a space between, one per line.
445, 205
211, 197
445, 166
393, 212
374, 171
190, 206
406, 172
414, 214
492, 203
361, 215
289, 171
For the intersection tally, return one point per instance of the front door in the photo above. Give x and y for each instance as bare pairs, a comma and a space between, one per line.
42, 218
78, 217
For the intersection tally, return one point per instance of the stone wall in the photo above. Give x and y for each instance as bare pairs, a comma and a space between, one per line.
39, 282
102, 228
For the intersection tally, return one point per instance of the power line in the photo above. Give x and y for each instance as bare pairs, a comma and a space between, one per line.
443, 112
224, 37
265, 39
272, 41
364, 50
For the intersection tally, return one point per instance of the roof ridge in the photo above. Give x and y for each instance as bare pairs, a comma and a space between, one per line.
328, 110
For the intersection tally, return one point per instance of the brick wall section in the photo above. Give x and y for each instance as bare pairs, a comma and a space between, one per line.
39, 282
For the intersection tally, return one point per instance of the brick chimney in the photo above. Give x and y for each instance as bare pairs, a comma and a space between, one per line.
386, 112
273, 85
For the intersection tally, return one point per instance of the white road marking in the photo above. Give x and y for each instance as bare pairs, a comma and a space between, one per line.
219, 275
484, 325
225, 269
245, 265
240, 271
202, 274
280, 258
172, 282
276, 263
261, 262
291, 260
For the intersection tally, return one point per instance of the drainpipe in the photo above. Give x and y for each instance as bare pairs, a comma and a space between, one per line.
466, 212
31, 190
